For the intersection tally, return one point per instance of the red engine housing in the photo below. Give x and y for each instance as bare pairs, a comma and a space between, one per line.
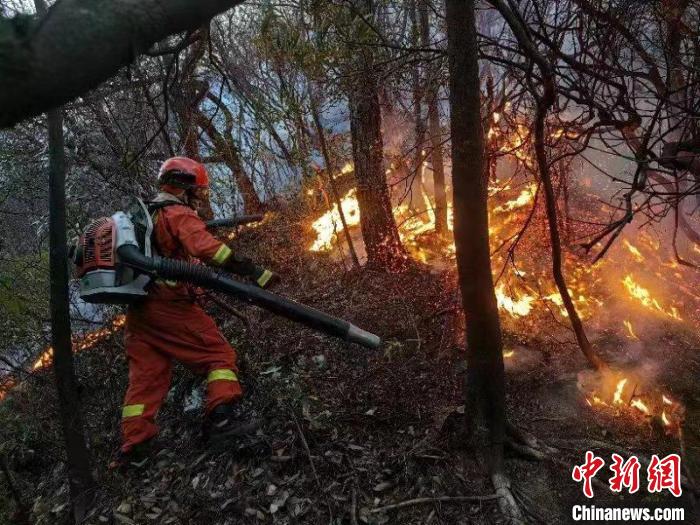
96, 246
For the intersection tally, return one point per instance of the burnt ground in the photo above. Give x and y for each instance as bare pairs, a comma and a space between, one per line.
348, 431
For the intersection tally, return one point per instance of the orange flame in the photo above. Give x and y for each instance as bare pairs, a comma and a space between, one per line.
634, 251
85, 342
639, 405
630, 330
643, 295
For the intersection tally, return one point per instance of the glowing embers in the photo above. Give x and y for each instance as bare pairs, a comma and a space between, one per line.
626, 395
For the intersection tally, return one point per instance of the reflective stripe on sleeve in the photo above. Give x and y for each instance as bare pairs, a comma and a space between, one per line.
223, 253
222, 374
132, 410
264, 278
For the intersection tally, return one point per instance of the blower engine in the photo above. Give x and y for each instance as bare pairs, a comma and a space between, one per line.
104, 277
116, 264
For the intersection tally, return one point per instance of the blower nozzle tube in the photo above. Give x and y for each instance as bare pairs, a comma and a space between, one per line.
240, 220
214, 280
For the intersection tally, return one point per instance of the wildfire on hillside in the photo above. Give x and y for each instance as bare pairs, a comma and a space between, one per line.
526, 288
628, 278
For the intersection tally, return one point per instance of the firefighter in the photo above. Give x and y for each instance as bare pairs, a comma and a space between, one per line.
169, 324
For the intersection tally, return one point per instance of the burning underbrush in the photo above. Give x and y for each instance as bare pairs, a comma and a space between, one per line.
637, 291
629, 394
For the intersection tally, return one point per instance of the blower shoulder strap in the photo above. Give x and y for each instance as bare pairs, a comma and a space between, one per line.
153, 208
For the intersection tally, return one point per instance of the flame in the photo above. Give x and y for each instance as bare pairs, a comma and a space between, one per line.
525, 292
649, 403
328, 225
515, 306
643, 295
619, 389
508, 354
664, 418
639, 405
630, 330
526, 197
517, 143
634, 251
84, 342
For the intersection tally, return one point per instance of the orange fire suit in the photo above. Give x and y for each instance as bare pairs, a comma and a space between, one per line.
168, 324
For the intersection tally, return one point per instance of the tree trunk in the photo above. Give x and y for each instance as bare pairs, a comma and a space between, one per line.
434, 127
382, 242
485, 376
379, 231
485, 381
415, 183
78, 457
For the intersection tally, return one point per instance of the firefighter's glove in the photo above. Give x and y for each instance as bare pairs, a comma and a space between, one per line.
240, 266
245, 267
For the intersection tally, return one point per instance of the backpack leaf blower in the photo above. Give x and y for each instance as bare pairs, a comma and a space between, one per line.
116, 263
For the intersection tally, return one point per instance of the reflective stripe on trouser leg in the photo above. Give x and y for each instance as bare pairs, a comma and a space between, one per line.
222, 387
133, 410
222, 374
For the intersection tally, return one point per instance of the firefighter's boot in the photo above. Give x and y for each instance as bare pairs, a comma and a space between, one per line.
229, 424
135, 458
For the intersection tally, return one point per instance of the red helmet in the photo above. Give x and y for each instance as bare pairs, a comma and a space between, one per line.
184, 173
